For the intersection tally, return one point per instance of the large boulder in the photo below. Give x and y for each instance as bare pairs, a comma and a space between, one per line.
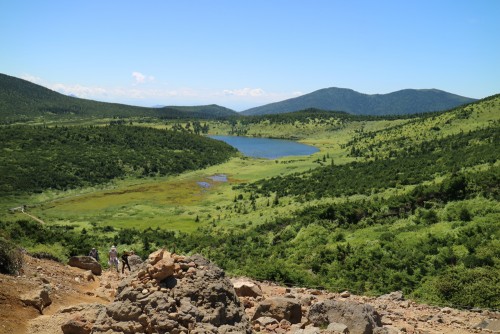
280, 308
195, 297
87, 263
39, 298
359, 318
162, 269
81, 318
155, 256
394, 296
135, 262
246, 288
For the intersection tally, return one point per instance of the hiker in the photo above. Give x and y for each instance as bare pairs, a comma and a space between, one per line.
113, 258
95, 254
125, 256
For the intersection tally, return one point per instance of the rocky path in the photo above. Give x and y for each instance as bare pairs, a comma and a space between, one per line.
269, 308
398, 315
67, 286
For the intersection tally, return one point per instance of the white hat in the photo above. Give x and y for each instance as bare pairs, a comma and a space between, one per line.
113, 247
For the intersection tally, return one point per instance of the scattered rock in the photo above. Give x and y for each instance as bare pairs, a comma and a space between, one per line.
385, 320
246, 288
155, 257
338, 328
184, 310
39, 299
43, 280
87, 263
202, 303
345, 294
387, 330
311, 330
88, 276
285, 324
76, 326
395, 296
280, 308
446, 310
264, 321
489, 324
135, 262
162, 269
359, 318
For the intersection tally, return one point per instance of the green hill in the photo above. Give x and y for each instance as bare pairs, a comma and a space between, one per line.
407, 101
21, 100
41, 158
417, 211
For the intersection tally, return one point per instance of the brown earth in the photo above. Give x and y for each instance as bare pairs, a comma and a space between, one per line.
71, 287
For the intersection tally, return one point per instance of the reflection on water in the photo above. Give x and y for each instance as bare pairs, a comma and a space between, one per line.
218, 178
266, 147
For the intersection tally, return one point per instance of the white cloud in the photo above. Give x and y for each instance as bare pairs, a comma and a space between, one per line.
32, 78
244, 92
258, 94
141, 78
149, 95
79, 90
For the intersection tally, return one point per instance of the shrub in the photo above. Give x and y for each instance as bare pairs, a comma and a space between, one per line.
463, 288
11, 258
54, 252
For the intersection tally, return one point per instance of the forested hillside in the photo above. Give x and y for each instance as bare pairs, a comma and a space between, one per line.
418, 211
21, 100
413, 204
39, 158
407, 101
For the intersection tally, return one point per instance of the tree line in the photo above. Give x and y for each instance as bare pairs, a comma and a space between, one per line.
38, 158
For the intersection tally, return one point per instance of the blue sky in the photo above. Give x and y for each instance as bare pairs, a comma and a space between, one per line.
242, 54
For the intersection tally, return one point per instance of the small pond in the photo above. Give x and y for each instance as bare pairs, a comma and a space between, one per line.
266, 147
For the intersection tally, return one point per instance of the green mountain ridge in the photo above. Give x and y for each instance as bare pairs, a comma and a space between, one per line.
406, 101
22, 100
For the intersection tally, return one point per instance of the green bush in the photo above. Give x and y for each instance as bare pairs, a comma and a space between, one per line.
11, 258
463, 287
54, 252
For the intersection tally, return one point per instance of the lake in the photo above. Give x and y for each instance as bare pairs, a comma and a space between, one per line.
266, 147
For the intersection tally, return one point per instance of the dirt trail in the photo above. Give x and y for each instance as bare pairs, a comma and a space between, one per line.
33, 217
69, 287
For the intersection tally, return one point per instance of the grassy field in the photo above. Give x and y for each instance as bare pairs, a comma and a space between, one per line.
171, 203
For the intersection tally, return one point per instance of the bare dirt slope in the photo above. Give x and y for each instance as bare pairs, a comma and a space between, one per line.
69, 286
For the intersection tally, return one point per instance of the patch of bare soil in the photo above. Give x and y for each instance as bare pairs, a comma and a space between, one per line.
69, 286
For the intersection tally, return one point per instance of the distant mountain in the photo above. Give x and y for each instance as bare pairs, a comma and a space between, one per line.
24, 100
212, 110
407, 101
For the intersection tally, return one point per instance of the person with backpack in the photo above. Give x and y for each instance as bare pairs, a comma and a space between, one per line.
125, 256
113, 258
95, 254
